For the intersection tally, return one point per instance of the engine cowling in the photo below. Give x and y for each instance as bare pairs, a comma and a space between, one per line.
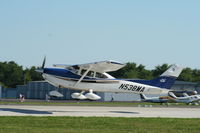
92, 96
79, 96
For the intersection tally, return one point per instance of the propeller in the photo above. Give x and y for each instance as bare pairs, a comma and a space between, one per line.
43, 63
41, 69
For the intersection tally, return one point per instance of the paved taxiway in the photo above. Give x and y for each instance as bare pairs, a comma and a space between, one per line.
28, 110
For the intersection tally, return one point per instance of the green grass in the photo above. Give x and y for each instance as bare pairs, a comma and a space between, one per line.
28, 124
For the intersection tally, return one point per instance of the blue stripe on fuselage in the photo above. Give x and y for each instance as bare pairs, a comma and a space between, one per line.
162, 82
63, 73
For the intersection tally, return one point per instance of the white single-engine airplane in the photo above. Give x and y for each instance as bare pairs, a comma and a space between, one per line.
171, 99
93, 77
186, 98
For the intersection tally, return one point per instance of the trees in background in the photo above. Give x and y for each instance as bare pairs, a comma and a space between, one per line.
132, 70
11, 74
32, 75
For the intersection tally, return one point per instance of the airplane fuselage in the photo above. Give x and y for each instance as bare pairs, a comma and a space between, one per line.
94, 77
66, 79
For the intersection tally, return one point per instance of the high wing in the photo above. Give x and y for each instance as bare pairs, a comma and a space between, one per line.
63, 66
101, 67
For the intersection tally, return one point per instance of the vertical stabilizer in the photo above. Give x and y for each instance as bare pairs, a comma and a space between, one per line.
172, 95
185, 95
173, 71
167, 79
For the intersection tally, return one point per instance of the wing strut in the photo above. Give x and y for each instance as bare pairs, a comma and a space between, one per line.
83, 75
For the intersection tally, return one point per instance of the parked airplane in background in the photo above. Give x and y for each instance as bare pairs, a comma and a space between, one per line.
160, 99
171, 98
93, 77
186, 98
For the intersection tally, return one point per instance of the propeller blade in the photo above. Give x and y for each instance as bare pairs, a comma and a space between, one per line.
44, 61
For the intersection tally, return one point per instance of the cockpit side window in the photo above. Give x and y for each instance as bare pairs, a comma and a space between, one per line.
89, 74
83, 71
93, 74
100, 75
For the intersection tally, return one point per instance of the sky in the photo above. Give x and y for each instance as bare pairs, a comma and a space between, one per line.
148, 32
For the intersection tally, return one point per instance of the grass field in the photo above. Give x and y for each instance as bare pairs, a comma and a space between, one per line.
28, 124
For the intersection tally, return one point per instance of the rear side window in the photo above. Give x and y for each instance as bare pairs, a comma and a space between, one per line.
100, 75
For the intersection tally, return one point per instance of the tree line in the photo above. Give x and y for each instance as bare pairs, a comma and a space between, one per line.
12, 74
132, 70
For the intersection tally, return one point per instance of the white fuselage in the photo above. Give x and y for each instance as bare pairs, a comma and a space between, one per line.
104, 85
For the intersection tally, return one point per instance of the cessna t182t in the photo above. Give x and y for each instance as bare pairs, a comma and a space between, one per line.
94, 77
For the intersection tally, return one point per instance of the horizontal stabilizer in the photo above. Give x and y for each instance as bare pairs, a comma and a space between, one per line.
55, 94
